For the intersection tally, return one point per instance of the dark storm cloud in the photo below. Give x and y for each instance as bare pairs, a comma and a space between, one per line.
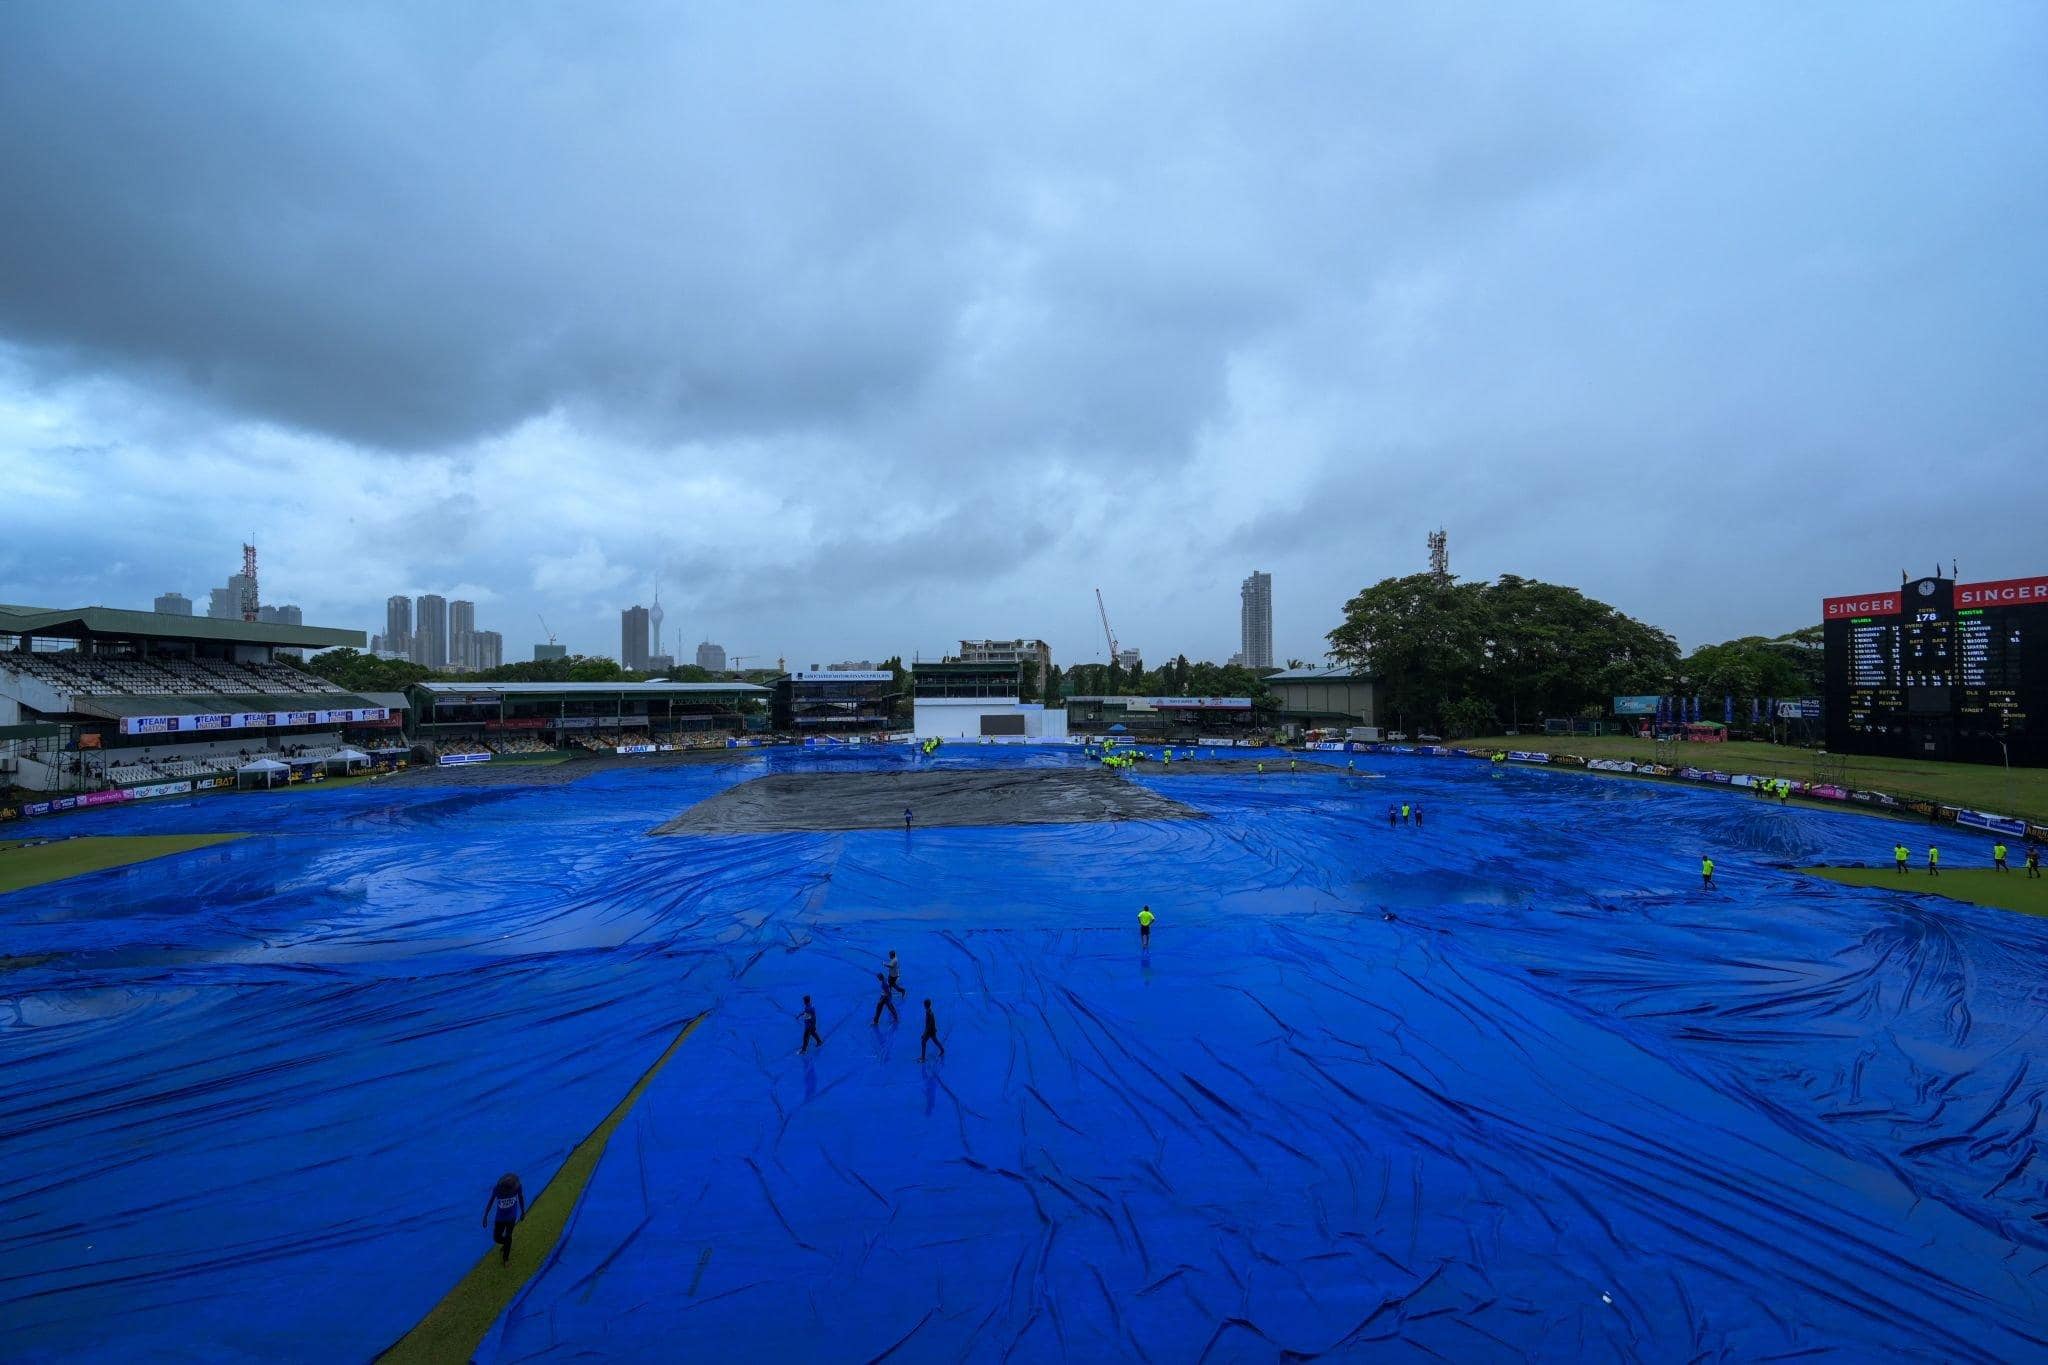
1704, 312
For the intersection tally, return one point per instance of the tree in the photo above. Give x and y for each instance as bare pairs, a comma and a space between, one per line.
360, 672
1027, 680
1516, 643
586, 668
1745, 668
1469, 716
1423, 637
1055, 686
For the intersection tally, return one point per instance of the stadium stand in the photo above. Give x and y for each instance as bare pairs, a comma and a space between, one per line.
137, 698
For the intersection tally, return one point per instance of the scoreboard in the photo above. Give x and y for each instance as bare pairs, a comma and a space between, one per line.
1940, 669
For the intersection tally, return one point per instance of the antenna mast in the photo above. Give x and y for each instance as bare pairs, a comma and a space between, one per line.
1439, 553
249, 598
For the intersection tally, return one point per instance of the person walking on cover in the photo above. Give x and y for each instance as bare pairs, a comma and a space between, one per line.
906, 819
1899, 856
895, 973
810, 1018
1418, 815
508, 1202
887, 1002
1998, 856
1145, 918
1933, 861
931, 1033
1706, 874
2033, 860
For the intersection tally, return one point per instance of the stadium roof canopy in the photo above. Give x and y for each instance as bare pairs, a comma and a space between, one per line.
1287, 675
441, 691
959, 669
79, 623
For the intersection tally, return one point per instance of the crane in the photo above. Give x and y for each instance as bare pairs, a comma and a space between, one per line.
1107, 633
544, 628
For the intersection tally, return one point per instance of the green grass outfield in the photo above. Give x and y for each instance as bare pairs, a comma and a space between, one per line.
32, 864
2012, 890
456, 1326
1974, 785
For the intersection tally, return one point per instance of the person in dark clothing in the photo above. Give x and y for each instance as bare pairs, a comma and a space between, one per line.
508, 1203
810, 1018
1418, 816
895, 974
887, 1002
1393, 817
2033, 860
931, 1033
906, 819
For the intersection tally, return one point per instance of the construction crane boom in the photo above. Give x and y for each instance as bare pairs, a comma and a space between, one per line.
1107, 633
544, 628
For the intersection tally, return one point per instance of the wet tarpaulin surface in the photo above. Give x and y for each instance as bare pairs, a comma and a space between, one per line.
1009, 795
1562, 1104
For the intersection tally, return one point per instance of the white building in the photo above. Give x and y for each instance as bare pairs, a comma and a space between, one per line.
711, 657
980, 703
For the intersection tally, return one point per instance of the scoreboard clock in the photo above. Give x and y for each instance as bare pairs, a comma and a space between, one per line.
1938, 669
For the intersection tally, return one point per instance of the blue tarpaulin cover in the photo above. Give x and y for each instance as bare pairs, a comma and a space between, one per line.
1564, 1103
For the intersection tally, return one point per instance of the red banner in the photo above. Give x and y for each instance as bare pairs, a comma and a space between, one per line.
1870, 604
2006, 592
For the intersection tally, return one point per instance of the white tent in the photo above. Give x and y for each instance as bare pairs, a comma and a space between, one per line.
347, 760
264, 771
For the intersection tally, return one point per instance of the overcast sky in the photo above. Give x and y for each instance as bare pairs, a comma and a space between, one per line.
869, 327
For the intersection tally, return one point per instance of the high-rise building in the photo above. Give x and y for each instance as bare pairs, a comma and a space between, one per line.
430, 631
542, 653
225, 604
711, 657
174, 604
1009, 652
286, 615
1255, 620
489, 650
462, 635
396, 641
633, 639
661, 663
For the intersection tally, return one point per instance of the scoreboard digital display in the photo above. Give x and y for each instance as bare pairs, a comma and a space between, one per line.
1938, 669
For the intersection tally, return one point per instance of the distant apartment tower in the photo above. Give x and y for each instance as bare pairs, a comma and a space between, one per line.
397, 636
1255, 621
489, 650
174, 604
430, 631
633, 626
542, 653
711, 657
462, 635
225, 604
1009, 652
281, 616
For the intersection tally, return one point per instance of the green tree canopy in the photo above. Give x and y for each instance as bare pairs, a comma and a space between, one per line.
360, 672
1523, 647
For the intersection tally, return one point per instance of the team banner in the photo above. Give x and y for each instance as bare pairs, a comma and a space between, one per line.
1636, 706
248, 720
